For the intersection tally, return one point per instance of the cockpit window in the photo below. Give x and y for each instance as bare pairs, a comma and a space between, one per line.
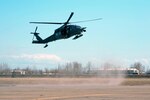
78, 27
56, 31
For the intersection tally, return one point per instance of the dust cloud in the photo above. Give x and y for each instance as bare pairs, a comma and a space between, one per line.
113, 72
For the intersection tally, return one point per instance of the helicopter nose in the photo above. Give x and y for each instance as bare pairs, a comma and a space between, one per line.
83, 29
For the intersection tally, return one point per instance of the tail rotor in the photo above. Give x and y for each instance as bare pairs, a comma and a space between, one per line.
34, 33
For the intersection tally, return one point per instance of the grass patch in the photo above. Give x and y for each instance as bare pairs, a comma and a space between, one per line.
136, 81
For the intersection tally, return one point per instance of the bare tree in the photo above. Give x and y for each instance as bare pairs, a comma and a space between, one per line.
138, 66
88, 67
46, 70
77, 68
4, 69
68, 70
28, 71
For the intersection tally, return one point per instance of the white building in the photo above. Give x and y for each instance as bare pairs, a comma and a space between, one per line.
18, 72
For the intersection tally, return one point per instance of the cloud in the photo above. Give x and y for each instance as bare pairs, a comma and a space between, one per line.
51, 57
37, 60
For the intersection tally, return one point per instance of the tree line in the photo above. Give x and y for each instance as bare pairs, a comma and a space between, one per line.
72, 69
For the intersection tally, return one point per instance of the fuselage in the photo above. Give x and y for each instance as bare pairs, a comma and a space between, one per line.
63, 32
67, 31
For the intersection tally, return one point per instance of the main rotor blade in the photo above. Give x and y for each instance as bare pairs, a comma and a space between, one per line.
45, 23
87, 20
35, 29
69, 18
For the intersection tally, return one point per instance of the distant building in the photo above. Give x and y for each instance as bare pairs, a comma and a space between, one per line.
47, 73
132, 71
16, 72
116, 71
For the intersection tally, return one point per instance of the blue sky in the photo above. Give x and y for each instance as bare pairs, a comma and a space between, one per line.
122, 37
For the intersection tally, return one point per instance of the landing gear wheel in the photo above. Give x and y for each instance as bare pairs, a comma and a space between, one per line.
45, 45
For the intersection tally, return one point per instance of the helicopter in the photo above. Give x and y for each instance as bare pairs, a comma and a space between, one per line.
64, 32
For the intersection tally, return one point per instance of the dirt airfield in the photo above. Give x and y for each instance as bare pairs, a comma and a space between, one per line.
74, 89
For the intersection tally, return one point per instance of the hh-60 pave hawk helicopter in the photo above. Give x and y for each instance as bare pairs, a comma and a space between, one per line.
64, 32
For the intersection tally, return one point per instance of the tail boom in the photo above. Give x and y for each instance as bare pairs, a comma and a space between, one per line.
38, 42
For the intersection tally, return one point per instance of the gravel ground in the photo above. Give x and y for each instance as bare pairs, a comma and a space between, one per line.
71, 89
